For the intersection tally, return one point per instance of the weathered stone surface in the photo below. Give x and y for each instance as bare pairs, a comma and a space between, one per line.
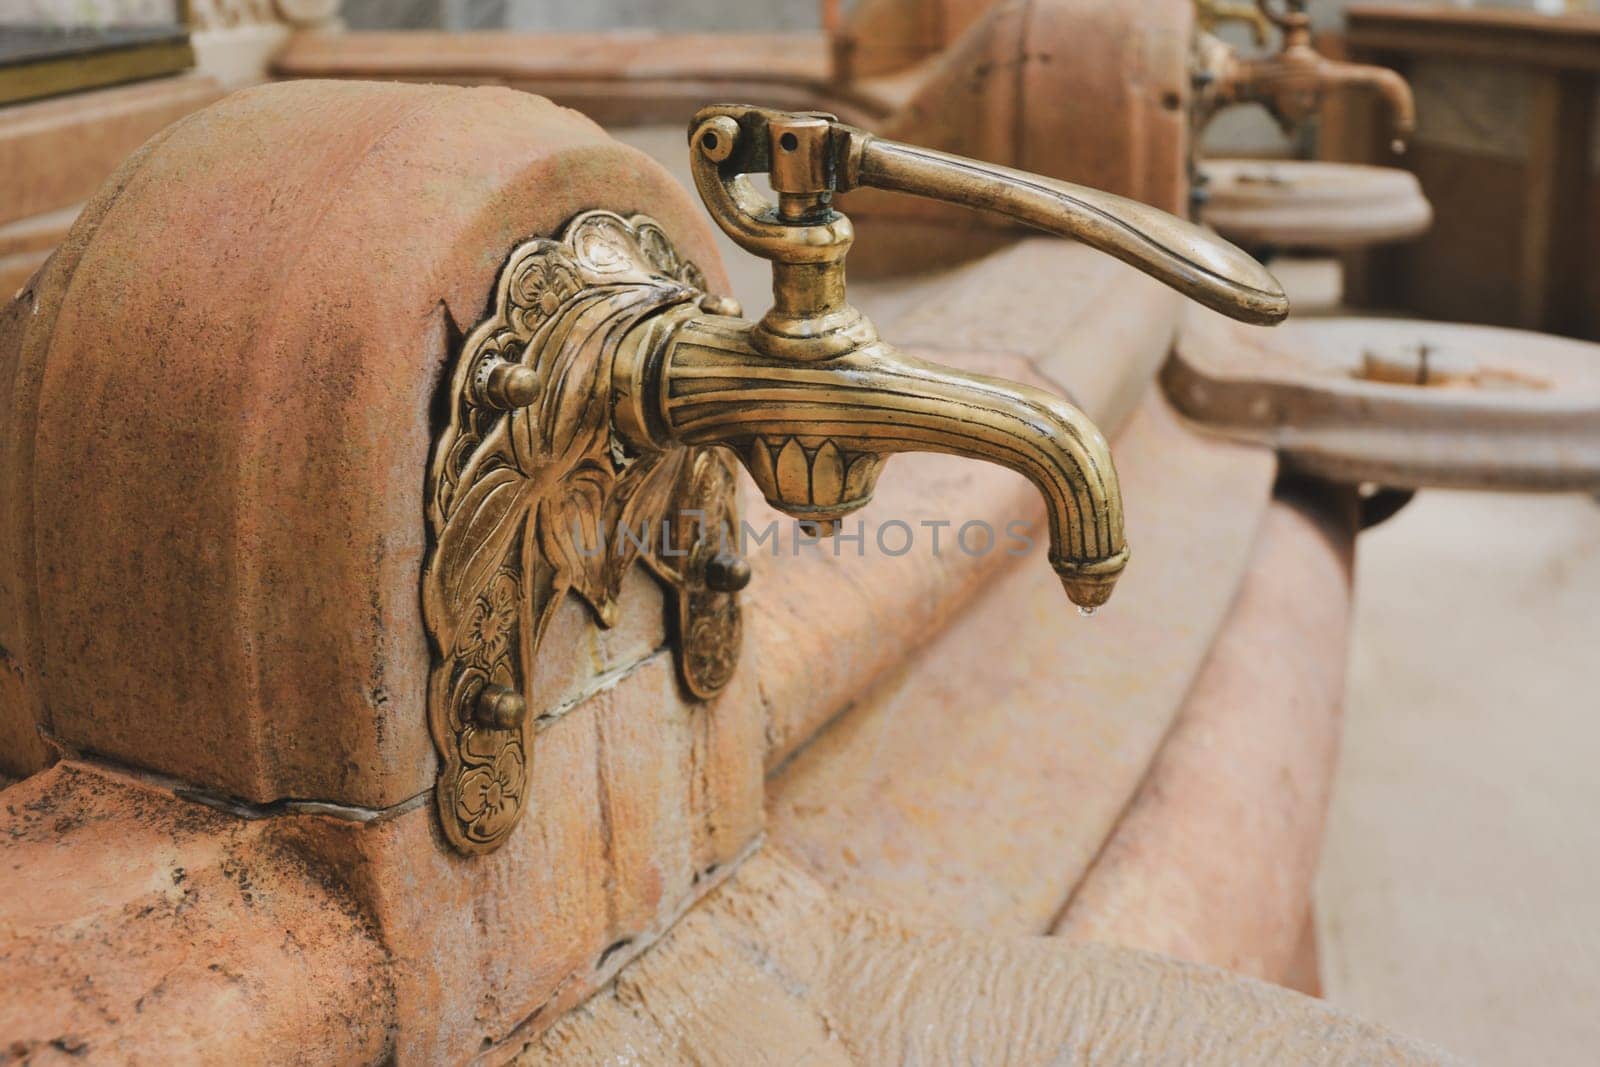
22, 348
639, 801
223, 433
141, 928
773, 970
1214, 859
976, 785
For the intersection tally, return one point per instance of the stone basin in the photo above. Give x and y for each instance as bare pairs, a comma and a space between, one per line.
1489, 408
1307, 204
215, 696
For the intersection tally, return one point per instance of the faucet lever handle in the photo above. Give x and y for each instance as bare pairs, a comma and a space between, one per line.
1187, 257
812, 156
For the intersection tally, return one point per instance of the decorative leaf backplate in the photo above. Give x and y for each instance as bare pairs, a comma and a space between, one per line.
529, 504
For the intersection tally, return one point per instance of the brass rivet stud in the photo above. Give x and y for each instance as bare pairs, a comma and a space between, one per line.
727, 573
511, 385
500, 708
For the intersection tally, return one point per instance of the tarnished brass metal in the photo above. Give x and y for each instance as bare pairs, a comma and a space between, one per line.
1212, 14
607, 393
531, 497
1292, 82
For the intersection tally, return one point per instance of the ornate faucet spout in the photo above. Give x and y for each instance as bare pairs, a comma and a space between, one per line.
814, 436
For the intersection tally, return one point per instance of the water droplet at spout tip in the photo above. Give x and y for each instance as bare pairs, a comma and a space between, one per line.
1398, 146
1088, 592
1088, 583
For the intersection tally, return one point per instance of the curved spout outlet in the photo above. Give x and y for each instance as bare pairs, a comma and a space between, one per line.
815, 435
1394, 89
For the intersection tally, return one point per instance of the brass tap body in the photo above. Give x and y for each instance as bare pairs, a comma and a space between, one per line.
813, 401
1292, 82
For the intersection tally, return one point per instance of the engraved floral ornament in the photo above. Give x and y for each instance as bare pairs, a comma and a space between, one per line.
490, 796
518, 500
494, 617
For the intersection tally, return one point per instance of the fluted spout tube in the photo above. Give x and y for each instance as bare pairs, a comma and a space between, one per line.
815, 435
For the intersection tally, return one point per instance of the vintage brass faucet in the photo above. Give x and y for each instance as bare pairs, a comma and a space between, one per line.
1291, 82
599, 404
813, 400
